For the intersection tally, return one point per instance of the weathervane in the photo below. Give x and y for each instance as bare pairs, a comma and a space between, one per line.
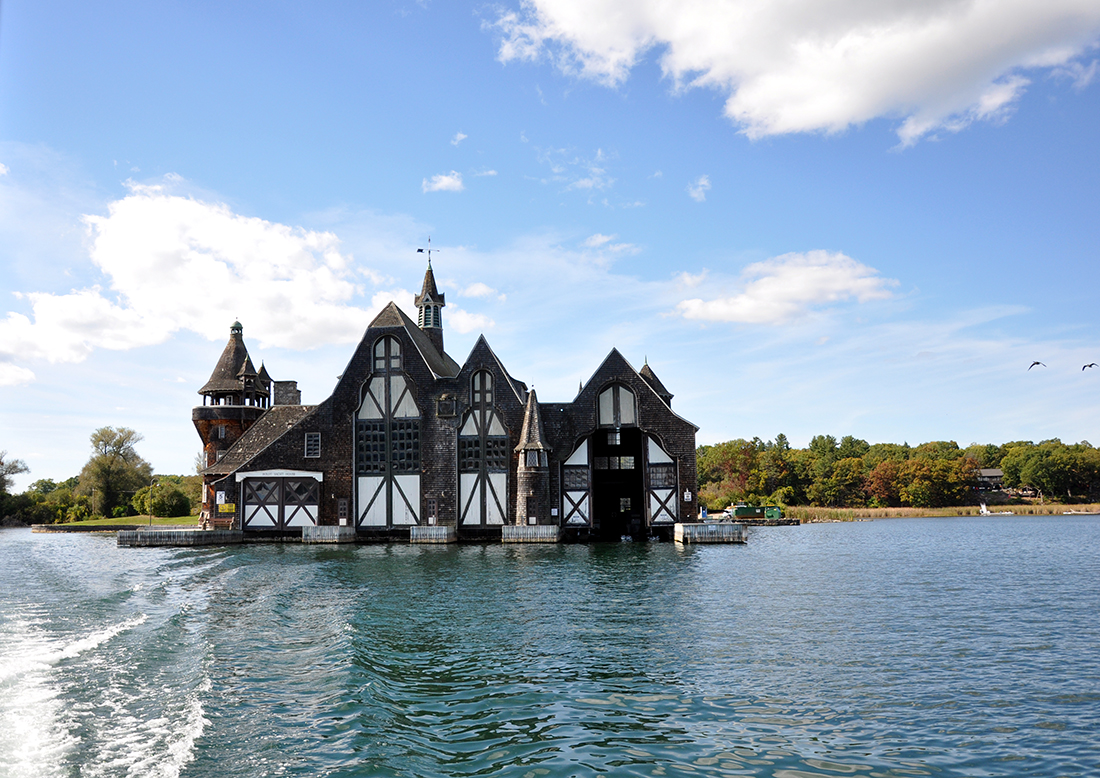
428, 251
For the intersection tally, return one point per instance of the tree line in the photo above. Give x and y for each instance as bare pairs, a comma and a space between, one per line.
851, 473
115, 482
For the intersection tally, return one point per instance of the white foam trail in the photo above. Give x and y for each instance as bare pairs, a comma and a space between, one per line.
40, 653
157, 748
35, 732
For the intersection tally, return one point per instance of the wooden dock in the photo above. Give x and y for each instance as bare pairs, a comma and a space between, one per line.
432, 533
328, 534
711, 532
530, 533
192, 536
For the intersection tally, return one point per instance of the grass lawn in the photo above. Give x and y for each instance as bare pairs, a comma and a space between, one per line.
125, 520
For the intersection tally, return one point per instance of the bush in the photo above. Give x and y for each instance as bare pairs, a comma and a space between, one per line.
167, 500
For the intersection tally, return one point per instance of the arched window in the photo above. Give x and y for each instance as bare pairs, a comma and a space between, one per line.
387, 354
615, 407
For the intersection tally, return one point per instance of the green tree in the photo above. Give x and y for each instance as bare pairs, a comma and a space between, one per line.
9, 468
115, 471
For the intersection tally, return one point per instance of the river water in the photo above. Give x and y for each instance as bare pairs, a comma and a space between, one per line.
924, 647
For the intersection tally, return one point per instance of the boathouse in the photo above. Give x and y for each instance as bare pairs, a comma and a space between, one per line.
410, 438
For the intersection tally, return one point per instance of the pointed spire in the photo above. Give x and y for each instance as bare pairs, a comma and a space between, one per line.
531, 437
655, 384
429, 304
429, 293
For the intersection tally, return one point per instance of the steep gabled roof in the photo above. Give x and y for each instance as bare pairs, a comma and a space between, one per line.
518, 387
531, 437
226, 372
275, 422
439, 363
248, 370
610, 361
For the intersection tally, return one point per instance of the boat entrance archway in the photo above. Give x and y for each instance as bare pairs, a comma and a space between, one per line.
618, 485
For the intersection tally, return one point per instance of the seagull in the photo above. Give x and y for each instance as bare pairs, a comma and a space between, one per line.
1036, 362
1090, 364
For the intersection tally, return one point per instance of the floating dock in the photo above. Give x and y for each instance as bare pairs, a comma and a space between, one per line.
432, 534
711, 532
530, 533
328, 534
179, 537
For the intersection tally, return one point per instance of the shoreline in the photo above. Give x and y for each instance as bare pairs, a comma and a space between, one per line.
810, 514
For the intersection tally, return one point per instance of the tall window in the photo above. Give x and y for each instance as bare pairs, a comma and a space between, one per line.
616, 407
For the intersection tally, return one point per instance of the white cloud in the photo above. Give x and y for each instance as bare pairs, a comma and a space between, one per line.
784, 288
486, 173
597, 240
3, 169
458, 138
478, 289
464, 322
444, 182
13, 375
698, 189
176, 263
575, 171
816, 65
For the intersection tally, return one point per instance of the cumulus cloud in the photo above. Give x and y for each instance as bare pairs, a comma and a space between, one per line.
784, 288
698, 188
463, 322
458, 138
176, 263
13, 375
444, 182
478, 289
817, 65
3, 169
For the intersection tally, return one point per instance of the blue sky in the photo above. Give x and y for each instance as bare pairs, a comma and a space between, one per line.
811, 218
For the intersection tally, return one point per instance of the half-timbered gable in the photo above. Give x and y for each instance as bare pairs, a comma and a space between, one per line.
408, 437
488, 430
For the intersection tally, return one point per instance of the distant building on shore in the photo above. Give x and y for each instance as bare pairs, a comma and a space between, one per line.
410, 437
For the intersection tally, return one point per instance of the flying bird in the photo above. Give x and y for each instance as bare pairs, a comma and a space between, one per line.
1033, 364
1090, 364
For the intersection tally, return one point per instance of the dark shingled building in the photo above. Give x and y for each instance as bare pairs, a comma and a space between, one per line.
410, 437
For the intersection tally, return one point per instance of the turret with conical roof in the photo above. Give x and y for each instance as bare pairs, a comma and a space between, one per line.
429, 304
232, 400
533, 473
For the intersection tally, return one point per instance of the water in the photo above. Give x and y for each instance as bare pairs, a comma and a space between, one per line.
939, 647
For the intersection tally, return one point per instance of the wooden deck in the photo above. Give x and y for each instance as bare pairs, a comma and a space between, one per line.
715, 532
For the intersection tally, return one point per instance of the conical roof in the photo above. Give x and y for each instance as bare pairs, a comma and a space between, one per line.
264, 378
429, 292
233, 358
655, 383
531, 437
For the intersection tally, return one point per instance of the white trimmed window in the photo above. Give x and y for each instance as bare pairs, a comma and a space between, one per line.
313, 445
